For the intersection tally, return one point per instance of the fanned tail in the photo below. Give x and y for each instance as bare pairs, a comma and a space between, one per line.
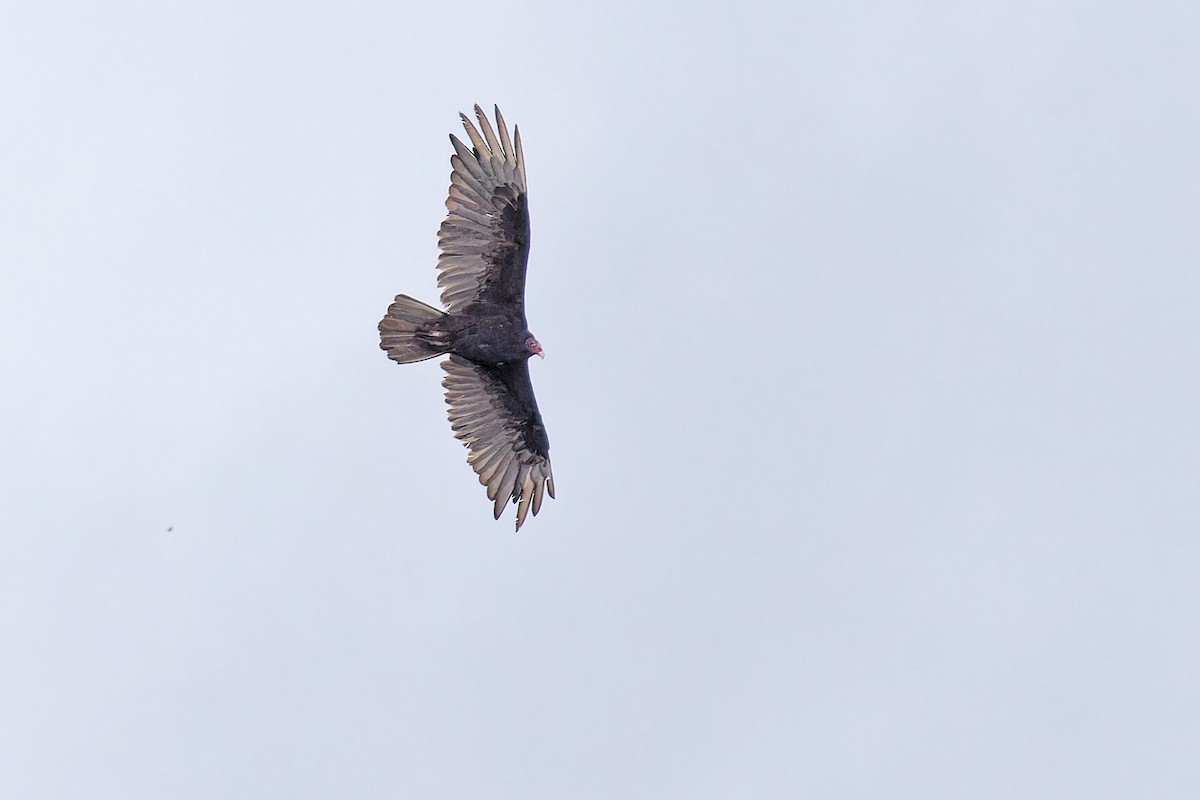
405, 331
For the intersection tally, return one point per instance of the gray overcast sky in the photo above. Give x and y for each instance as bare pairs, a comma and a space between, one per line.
871, 381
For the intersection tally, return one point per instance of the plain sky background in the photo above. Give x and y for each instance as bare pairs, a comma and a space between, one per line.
871, 384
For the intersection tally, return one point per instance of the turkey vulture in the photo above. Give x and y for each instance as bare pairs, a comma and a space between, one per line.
481, 270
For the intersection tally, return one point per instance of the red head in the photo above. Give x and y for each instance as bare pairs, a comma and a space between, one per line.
531, 344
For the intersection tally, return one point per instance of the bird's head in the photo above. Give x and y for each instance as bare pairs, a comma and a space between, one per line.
531, 344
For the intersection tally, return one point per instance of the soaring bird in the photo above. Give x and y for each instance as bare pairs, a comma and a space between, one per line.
484, 244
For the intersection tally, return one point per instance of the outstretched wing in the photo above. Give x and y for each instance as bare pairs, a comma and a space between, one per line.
493, 413
485, 237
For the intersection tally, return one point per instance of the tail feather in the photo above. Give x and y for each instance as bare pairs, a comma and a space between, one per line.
405, 333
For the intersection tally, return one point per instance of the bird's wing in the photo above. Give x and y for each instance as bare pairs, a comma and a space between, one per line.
485, 237
493, 412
